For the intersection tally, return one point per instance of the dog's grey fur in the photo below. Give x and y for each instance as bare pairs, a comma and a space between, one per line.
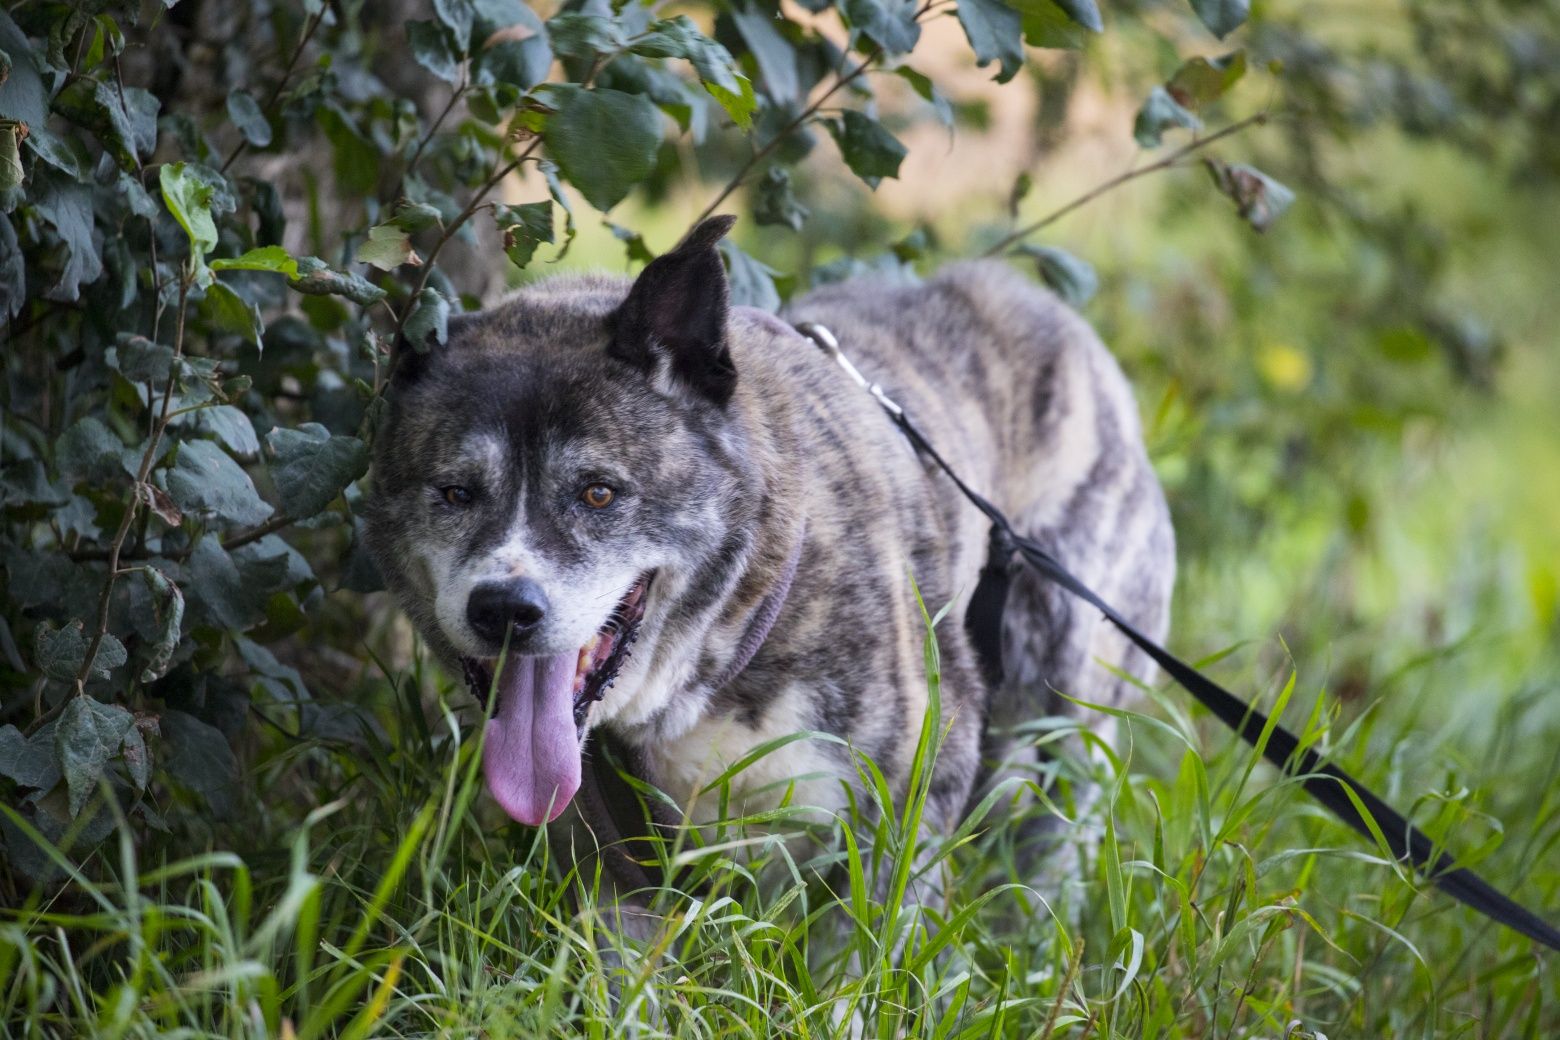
735, 442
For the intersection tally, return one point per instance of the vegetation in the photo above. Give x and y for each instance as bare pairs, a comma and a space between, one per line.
237, 800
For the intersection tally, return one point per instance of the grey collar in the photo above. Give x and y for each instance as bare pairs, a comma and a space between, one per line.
763, 618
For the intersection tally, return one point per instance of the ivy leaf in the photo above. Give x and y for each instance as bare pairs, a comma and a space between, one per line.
266, 258
1083, 12
13, 272
575, 34
218, 592
11, 172
229, 312
458, 16
1158, 114
23, 96
387, 248
525, 227
89, 450
228, 424
206, 481
1201, 80
88, 734
869, 150
1222, 17
1048, 24
317, 278
890, 24
430, 317
510, 45
1072, 279
244, 111
435, 49
124, 118
137, 756
30, 761
604, 141
52, 150
996, 35
928, 91
188, 193
168, 602
311, 467
1259, 198
198, 756
752, 282
633, 243
68, 207
140, 360
775, 203
58, 653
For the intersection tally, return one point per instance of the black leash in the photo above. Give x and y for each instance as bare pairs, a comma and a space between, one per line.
1328, 784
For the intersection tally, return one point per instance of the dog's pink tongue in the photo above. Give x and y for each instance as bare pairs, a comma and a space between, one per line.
532, 754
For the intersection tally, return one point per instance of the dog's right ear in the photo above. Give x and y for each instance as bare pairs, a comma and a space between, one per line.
675, 315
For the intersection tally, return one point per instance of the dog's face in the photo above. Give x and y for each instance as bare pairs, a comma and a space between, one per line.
544, 485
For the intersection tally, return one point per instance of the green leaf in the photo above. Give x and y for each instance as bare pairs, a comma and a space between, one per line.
30, 761
168, 601
218, 593
140, 360
228, 424
524, 227
458, 16
205, 480
1048, 24
23, 96
1084, 12
1259, 198
387, 248
1158, 114
1202, 80
549, 171
89, 450
510, 45
68, 207
752, 282
604, 141
1222, 17
928, 91
1072, 279
124, 118
415, 216
266, 258
311, 467
739, 104
188, 194
775, 56
317, 278
995, 33
88, 734
633, 242
869, 150
11, 172
198, 756
430, 317
52, 150
890, 24
244, 112
575, 34
229, 312
435, 49
58, 653
775, 203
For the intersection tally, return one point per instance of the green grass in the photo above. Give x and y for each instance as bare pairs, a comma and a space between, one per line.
1210, 898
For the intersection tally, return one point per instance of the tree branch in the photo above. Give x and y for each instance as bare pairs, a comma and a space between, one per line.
1166, 163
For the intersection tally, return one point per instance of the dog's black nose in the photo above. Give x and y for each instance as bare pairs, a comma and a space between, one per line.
497, 607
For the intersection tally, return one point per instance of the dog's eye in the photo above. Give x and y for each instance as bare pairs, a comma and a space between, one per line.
456, 495
597, 496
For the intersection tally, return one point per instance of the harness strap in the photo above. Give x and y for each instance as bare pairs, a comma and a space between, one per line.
1337, 791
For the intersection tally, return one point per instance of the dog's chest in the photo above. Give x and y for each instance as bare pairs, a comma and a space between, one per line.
749, 767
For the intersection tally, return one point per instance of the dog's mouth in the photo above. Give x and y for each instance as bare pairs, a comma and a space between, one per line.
532, 752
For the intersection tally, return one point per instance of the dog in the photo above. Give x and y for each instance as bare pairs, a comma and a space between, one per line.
632, 508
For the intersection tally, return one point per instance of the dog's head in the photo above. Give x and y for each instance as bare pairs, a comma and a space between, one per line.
545, 483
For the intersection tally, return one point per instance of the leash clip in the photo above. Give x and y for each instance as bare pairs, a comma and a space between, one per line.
826, 342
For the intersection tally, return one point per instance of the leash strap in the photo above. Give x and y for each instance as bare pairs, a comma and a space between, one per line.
1336, 790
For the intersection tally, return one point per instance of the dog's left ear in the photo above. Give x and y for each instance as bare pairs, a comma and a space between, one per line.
675, 315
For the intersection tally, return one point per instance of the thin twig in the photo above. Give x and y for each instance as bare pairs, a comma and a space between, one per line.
807, 113
1115, 182
411, 164
281, 84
